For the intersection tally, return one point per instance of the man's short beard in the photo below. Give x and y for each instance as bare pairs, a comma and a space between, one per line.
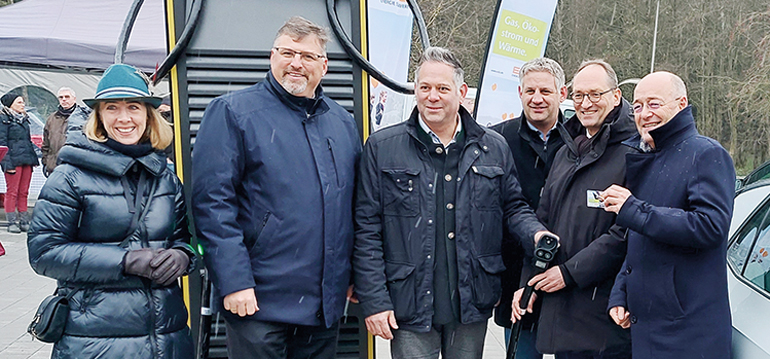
294, 87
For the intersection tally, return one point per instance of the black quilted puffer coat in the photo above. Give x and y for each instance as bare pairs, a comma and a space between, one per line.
14, 133
80, 218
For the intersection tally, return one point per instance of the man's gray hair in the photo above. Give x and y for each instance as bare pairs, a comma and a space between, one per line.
71, 91
444, 56
544, 64
612, 78
297, 27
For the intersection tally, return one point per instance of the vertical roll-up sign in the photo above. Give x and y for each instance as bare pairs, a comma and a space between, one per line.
519, 34
390, 35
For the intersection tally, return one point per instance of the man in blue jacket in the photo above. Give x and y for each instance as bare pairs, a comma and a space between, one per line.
672, 288
435, 194
273, 177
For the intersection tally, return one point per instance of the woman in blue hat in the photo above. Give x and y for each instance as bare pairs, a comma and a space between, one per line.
18, 162
110, 225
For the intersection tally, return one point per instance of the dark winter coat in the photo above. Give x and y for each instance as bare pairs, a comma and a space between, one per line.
273, 179
395, 232
592, 247
54, 136
81, 216
14, 133
533, 159
674, 281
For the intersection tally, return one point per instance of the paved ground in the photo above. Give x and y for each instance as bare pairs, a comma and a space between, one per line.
21, 290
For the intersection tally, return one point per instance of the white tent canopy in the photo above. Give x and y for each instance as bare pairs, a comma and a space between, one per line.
68, 43
80, 33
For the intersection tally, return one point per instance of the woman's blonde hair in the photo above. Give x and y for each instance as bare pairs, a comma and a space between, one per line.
157, 131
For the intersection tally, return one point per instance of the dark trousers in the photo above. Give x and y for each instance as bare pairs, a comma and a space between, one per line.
253, 339
622, 352
453, 341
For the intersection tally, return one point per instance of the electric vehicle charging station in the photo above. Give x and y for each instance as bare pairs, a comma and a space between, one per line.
228, 49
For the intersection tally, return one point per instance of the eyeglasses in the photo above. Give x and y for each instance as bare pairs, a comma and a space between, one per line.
594, 97
653, 105
306, 57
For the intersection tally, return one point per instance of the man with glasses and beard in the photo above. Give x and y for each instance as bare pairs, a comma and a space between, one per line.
573, 320
273, 177
677, 205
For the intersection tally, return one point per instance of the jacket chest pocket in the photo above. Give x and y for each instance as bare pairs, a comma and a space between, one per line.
486, 187
400, 192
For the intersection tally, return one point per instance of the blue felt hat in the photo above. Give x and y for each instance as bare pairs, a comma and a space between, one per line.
123, 82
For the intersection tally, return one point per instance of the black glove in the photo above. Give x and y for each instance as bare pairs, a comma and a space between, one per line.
137, 262
168, 265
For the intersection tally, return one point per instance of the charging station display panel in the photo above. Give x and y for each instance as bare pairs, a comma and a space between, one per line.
390, 37
519, 34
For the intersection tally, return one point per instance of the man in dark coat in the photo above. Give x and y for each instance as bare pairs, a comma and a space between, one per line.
534, 138
573, 320
273, 177
434, 196
677, 205
55, 131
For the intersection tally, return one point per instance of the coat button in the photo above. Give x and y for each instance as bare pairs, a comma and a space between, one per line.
633, 319
628, 269
449, 206
439, 150
451, 235
448, 177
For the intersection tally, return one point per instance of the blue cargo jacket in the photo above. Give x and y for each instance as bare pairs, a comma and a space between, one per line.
273, 179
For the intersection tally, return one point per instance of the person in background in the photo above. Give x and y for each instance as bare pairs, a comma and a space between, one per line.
88, 231
379, 110
165, 111
18, 162
55, 130
677, 205
273, 174
534, 138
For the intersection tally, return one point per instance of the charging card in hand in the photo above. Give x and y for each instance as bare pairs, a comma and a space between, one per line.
592, 199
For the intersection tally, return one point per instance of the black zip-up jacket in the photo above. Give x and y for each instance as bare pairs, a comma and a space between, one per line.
592, 247
395, 231
533, 159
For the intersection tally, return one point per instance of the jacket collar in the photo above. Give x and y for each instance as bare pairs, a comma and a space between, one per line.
473, 131
618, 126
309, 106
526, 133
83, 152
682, 125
